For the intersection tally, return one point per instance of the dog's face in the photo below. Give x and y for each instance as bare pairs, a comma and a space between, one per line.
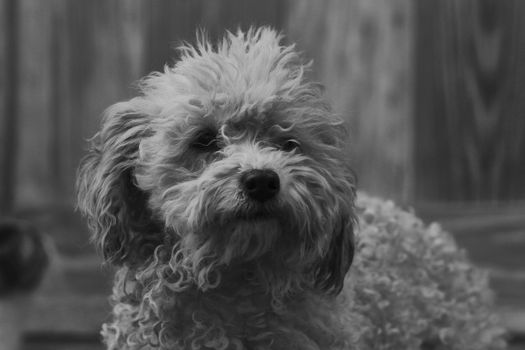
232, 158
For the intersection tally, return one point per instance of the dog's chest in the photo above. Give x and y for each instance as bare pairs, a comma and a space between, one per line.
227, 318
247, 320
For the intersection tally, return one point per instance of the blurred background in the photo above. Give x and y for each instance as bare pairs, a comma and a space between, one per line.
433, 92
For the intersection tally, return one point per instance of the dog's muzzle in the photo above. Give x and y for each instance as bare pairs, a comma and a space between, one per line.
260, 184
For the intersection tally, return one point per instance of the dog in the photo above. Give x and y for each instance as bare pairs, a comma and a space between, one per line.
223, 195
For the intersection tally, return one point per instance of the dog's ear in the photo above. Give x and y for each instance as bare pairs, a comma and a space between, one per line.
116, 209
331, 270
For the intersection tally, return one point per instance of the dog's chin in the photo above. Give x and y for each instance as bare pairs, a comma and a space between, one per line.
258, 225
246, 238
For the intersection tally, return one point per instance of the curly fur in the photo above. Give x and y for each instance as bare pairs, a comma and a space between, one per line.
201, 266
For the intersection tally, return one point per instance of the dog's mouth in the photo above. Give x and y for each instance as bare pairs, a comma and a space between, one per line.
257, 212
249, 213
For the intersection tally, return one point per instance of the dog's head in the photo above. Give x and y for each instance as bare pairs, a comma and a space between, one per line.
231, 156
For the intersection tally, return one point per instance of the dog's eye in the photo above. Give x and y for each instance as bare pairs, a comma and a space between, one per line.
205, 141
291, 145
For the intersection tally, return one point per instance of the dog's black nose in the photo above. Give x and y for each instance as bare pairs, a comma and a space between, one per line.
260, 184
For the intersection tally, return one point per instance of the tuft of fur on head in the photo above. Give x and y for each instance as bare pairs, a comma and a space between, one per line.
151, 185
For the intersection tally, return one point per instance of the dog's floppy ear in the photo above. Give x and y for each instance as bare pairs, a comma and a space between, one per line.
331, 271
115, 207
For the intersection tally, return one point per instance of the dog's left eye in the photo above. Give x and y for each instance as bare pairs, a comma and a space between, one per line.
206, 141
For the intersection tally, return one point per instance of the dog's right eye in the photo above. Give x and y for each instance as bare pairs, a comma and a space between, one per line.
205, 141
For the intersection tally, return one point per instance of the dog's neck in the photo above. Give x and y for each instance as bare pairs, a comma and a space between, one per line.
242, 308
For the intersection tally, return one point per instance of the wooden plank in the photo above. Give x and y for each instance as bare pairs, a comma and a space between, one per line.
362, 52
169, 24
470, 100
97, 55
8, 101
173, 22
233, 14
76, 58
34, 179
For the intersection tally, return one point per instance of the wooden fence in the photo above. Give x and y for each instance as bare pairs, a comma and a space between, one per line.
66, 60
470, 100
432, 91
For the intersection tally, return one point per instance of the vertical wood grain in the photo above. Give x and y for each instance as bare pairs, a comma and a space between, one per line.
175, 21
362, 53
33, 174
470, 100
463, 132
100, 47
8, 101
78, 57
